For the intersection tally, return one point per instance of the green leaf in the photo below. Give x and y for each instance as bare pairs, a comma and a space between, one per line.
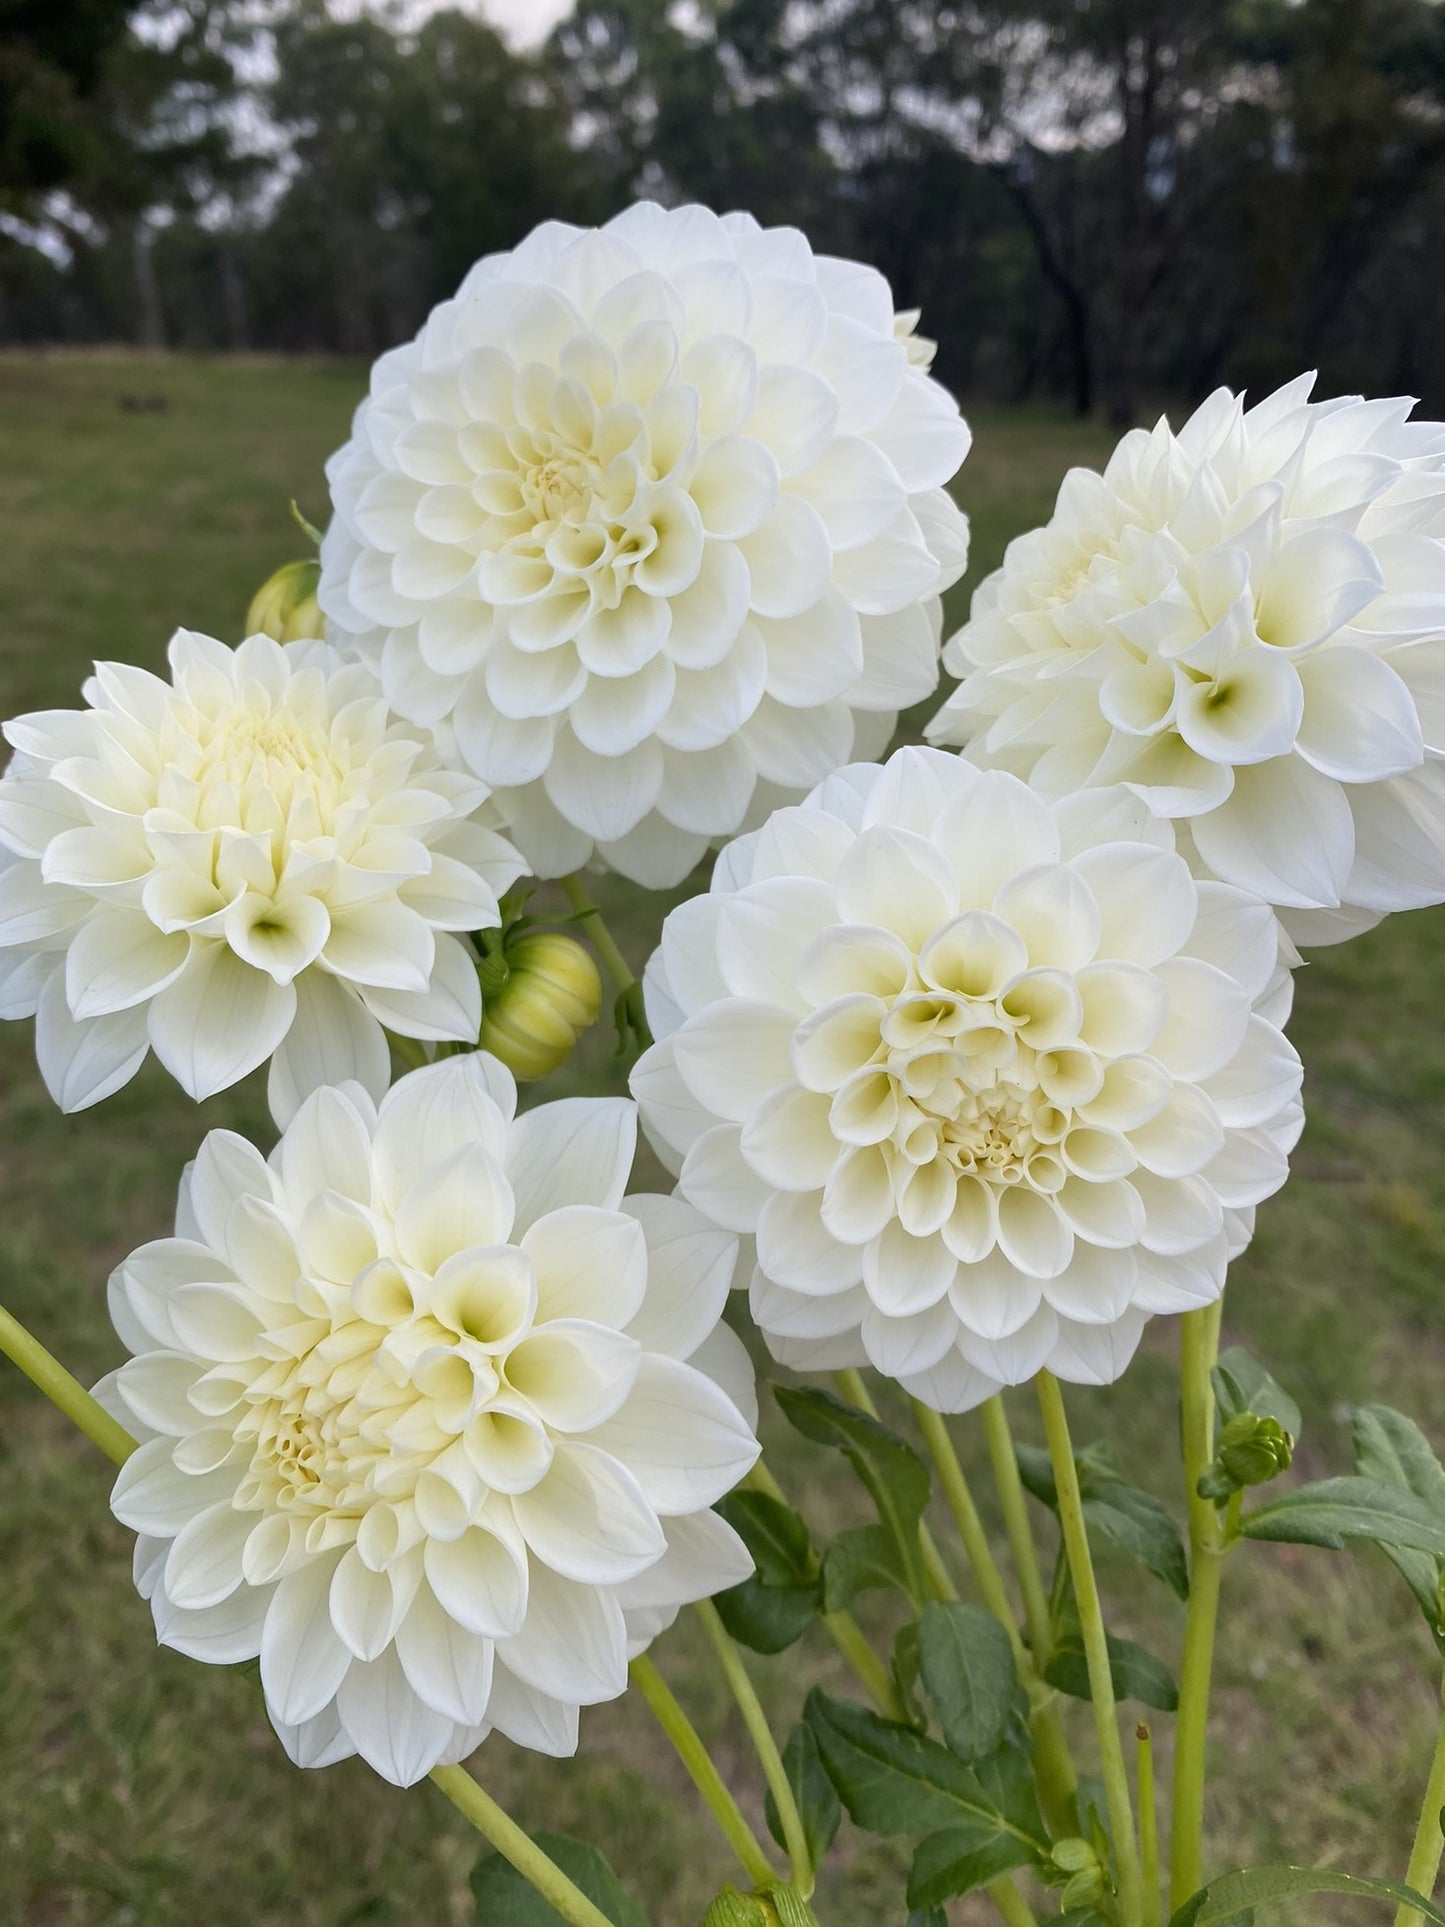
1333, 1510
1079, 1917
818, 1805
505, 1899
896, 1478
1241, 1384
895, 1781
774, 1534
927, 1917
1222, 1901
949, 1864
1134, 1520
774, 1608
862, 1559
1392, 1448
1137, 1674
905, 1674
765, 1619
967, 1668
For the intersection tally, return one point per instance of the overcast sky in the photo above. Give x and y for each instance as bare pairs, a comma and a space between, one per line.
525, 21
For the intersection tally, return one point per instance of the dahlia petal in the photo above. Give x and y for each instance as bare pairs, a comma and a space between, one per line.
575, 1151
528, 1718
590, 1264
83, 1063
734, 1054
690, 1267
1285, 834
303, 1661
447, 1667
397, 1735
480, 1580
573, 1644
217, 1021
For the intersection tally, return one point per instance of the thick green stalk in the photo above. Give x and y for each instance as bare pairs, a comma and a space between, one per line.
843, 1629
704, 1775
1013, 1909
1096, 1650
954, 1480
1148, 1825
58, 1385
613, 961
1198, 1349
1004, 1461
854, 1392
63, 1390
1053, 1763
764, 1745
514, 1845
1424, 1868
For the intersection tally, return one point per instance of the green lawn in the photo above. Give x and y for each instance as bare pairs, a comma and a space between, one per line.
137, 1787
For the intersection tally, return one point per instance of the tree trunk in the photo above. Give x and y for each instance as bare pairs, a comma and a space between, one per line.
150, 317
1072, 295
1138, 86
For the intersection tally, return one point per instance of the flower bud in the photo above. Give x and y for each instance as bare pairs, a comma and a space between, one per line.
778, 1907
732, 1909
1252, 1451
285, 606
1084, 1878
538, 998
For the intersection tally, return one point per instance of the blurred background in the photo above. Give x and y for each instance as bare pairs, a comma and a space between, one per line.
211, 216
1092, 200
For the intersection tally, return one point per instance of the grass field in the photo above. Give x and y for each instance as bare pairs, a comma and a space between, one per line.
137, 1787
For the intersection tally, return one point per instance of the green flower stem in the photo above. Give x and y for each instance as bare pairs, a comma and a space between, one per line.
460, 1788
63, 1390
1011, 1498
842, 1628
514, 1845
1058, 1779
854, 1392
1096, 1650
704, 1775
409, 1050
764, 1745
1198, 1349
1013, 1909
1424, 1868
1148, 1825
952, 1478
613, 961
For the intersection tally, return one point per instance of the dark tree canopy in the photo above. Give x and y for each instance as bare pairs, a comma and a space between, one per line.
1100, 200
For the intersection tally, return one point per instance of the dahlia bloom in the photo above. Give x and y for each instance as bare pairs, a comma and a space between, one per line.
1243, 623
990, 1080
252, 860
648, 519
432, 1415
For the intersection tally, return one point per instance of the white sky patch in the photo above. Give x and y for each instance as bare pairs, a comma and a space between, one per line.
525, 23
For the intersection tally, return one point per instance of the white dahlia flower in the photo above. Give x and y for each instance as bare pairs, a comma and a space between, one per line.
1245, 623
649, 517
252, 860
432, 1417
990, 1080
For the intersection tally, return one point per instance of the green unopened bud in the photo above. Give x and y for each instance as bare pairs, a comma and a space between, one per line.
1080, 1862
1252, 1451
285, 606
732, 1909
777, 1907
536, 1006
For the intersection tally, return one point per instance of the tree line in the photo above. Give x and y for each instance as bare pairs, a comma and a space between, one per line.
1095, 200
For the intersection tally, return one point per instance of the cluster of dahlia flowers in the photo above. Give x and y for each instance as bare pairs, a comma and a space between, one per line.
966, 1066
